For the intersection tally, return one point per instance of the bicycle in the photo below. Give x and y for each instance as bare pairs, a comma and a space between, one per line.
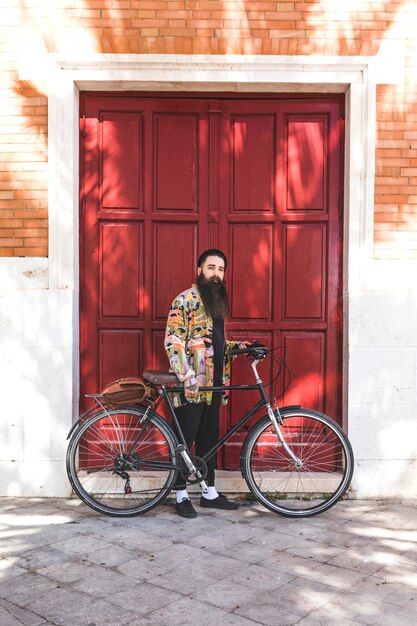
123, 462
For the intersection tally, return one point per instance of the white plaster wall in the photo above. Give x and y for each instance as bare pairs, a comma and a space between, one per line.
382, 385
36, 374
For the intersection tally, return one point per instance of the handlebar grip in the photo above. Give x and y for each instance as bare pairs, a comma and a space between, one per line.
256, 350
234, 351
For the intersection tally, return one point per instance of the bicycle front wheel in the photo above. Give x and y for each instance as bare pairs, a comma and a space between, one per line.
311, 483
120, 467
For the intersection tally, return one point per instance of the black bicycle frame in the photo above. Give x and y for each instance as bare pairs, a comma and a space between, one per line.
166, 391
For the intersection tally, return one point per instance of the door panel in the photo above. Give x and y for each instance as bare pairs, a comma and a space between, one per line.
121, 270
173, 245
252, 139
122, 160
305, 358
305, 248
176, 166
306, 159
120, 353
241, 402
163, 178
250, 271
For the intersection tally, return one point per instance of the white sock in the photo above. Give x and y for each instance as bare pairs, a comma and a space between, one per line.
181, 494
211, 493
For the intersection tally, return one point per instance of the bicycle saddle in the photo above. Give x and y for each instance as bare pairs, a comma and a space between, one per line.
156, 377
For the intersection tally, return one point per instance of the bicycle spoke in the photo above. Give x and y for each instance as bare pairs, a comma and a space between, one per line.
324, 474
107, 459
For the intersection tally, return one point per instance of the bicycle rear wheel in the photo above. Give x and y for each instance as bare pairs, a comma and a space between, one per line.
298, 490
113, 475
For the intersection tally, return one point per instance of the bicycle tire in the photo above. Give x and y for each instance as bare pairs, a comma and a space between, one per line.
272, 476
100, 458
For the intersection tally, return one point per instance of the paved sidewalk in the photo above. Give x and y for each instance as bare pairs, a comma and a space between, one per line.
63, 564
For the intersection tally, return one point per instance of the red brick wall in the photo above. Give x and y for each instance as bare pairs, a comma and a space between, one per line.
328, 27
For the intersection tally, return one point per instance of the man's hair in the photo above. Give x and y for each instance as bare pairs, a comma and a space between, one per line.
212, 252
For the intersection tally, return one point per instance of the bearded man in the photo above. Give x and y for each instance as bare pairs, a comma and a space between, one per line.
199, 356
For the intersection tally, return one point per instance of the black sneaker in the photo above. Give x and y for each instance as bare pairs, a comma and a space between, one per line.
221, 502
185, 509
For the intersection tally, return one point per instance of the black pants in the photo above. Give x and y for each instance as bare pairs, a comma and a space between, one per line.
200, 425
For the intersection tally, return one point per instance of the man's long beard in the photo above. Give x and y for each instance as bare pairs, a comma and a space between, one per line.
214, 296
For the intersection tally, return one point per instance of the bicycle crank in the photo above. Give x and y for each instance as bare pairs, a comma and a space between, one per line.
198, 475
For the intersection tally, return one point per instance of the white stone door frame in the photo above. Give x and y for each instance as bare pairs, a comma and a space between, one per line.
356, 77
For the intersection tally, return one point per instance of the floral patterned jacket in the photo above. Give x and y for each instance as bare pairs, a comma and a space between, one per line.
188, 344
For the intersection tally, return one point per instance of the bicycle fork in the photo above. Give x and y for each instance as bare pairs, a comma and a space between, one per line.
273, 418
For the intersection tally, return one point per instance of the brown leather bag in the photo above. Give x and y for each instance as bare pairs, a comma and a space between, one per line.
127, 392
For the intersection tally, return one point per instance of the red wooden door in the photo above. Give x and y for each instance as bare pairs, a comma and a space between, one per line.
162, 178
280, 221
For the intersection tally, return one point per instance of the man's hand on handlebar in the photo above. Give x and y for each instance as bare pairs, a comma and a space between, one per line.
255, 349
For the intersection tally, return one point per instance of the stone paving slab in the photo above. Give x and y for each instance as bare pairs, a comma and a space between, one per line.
62, 564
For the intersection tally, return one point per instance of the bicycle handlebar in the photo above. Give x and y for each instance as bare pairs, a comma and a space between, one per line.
256, 350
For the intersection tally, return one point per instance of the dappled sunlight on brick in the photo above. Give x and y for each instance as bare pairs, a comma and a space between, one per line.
353, 27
